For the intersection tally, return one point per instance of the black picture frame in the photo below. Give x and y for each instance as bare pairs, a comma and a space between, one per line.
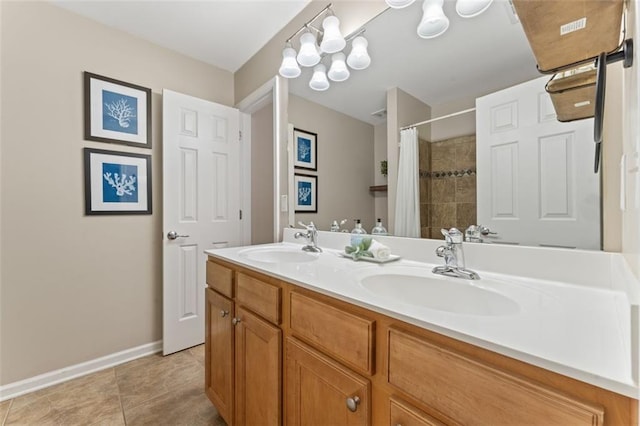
306, 193
305, 150
116, 111
117, 183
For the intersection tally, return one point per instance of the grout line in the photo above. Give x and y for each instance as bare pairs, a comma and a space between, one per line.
6, 416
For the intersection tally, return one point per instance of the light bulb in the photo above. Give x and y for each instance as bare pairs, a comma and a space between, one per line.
399, 4
472, 8
359, 58
338, 70
289, 67
332, 40
434, 22
319, 80
308, 55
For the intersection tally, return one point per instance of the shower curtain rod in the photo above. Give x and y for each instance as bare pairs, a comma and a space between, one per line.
438, 118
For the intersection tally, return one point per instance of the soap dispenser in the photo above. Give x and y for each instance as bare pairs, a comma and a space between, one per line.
379, 229
357, 233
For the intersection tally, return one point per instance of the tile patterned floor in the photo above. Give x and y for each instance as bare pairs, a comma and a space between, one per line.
153, 390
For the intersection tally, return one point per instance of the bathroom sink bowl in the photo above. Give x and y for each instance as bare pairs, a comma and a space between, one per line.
416, 286
278, 255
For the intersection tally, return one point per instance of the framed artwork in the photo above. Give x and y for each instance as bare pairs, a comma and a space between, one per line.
116, 182
306, 187
305, 149
116, 112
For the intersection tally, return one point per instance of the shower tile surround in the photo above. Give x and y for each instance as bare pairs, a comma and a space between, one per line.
447, 184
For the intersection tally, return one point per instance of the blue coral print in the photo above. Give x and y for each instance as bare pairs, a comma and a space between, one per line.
119, 183
119, 112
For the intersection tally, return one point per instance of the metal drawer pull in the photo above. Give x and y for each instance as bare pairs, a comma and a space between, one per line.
224, 313
352, 403
235, 321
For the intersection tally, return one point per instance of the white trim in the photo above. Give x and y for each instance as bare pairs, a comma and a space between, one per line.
51, 378
245, 177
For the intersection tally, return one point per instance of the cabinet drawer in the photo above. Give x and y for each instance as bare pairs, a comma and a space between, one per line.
341, 334
470, 392
260, 297
220, 278
402, 413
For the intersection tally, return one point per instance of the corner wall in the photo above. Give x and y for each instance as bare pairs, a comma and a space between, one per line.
76, 287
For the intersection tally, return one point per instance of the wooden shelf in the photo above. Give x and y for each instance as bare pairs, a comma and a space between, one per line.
378, 188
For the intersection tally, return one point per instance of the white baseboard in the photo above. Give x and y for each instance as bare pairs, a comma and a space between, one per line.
41, 381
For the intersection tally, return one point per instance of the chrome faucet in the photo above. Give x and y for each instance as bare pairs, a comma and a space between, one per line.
312, 237
475, 233
453, 256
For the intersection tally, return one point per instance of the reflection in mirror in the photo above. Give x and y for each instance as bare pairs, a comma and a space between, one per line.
474, 58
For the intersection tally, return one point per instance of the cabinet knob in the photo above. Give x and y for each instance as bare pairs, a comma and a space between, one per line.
235, 321
224, 313
352, 403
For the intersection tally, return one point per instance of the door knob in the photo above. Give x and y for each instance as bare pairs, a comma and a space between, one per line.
224, 313
235, 321
172, 235
352, 403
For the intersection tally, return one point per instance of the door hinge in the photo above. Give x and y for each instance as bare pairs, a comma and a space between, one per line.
240, 134
240, 214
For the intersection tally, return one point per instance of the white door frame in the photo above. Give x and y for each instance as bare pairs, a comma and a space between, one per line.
276, 90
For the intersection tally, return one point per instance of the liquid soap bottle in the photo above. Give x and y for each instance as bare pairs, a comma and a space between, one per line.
379, 229
357, 233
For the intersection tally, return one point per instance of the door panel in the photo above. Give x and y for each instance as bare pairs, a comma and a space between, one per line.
201, 203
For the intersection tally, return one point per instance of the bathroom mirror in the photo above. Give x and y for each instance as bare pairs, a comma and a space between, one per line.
473, 58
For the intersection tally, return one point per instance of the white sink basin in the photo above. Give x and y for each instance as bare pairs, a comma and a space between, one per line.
419, 287
278, 255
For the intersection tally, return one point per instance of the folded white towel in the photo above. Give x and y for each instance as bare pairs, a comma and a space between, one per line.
379, 250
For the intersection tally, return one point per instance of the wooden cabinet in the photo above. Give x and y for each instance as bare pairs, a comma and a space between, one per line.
320, 391
243, 347
257, 377
297, 357
401, 413
219, 353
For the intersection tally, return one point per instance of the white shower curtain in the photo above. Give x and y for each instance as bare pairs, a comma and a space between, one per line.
408, 192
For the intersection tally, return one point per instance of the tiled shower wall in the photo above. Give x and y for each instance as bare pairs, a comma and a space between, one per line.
447, 185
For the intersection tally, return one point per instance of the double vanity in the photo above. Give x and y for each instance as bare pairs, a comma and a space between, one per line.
543, 337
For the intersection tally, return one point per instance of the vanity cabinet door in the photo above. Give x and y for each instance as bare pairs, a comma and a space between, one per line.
320, 391
219, 353
402, 413
258, 370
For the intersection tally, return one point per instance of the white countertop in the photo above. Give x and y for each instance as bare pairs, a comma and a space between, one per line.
582, 329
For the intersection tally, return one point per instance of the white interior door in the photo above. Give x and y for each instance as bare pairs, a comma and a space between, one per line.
535, 179
201, 207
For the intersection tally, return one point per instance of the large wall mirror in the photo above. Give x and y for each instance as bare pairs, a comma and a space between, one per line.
473, 58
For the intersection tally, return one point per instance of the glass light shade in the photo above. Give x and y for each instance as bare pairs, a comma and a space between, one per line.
359, 58
332, 40
289, 67
472, 8
399, 4
319, 80
308, 55
434, 22
338, 70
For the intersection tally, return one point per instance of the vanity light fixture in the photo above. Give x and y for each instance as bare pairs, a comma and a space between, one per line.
315, 44
319, 80
434, 22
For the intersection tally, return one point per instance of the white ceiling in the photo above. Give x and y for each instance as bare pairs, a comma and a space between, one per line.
224, 33
474, 57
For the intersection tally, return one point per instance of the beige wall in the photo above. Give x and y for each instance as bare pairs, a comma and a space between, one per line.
262, 175
265, 64
379, 154
76, 287
402, 110
453, 127
344, 159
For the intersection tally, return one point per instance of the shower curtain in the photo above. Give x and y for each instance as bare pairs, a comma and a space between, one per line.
407, 222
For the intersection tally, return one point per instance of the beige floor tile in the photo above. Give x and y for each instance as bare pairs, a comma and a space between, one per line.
4, 409
185, 405
90, 400
142, 380
198, 352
